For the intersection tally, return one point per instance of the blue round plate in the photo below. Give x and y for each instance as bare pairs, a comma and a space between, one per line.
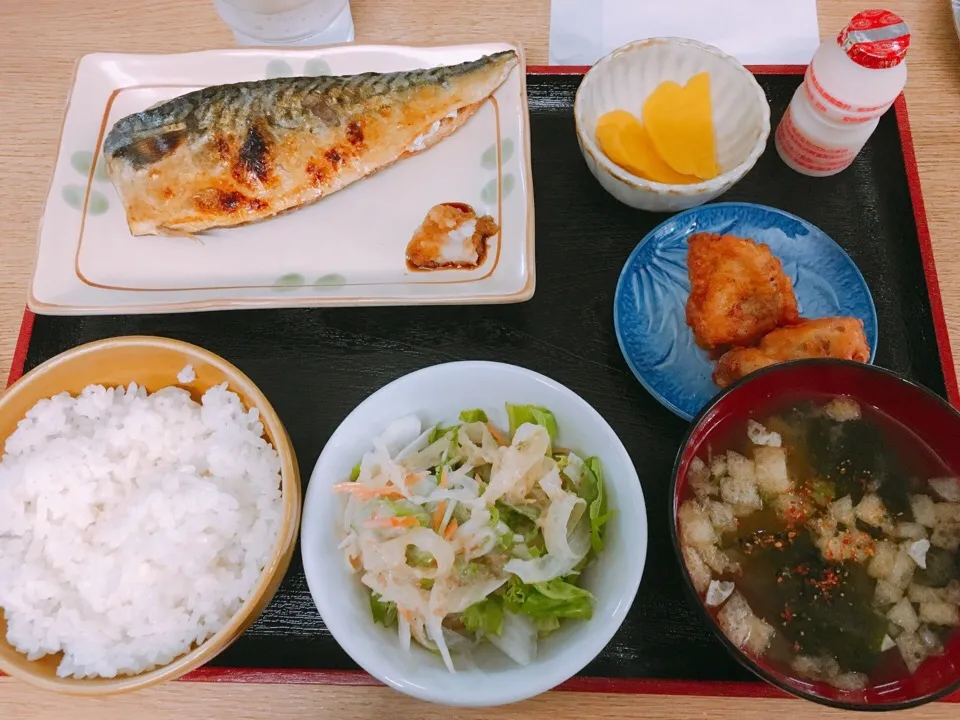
650, 303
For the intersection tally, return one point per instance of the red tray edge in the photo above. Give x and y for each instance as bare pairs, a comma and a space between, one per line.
628, 686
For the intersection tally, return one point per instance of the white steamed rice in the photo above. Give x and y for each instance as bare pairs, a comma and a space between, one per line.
132, 525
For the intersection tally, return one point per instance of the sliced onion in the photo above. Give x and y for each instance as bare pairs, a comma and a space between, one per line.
429, 457
574, 468
391, 555
563, 533
462, 597
530, 444
478, 444
403, 628
517, 640
421, 442
399, 434
435, 633
567, 539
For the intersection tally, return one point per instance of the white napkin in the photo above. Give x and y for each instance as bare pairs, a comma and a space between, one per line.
756, 32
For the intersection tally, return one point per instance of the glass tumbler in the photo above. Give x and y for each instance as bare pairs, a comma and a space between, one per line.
287, 22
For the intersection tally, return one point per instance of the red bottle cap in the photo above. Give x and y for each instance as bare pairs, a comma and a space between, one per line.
875, 39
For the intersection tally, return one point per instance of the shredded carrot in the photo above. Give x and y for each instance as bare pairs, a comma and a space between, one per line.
412, 479
501, 440
438, 514
365, 492
443, 478
451, 529
392, 522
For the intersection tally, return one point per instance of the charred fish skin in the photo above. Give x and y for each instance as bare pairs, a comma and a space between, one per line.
233, 154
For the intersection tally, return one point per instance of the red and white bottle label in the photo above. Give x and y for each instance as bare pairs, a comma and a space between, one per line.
805, 153
820, 98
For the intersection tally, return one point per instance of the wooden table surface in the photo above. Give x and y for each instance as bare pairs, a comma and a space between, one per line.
40, 40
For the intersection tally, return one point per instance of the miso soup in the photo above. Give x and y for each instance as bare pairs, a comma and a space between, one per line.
825, 536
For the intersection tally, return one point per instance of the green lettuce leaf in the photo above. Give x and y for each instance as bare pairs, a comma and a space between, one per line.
520, 414
592, 491
438, 432
473, 416
485, 616
384, 613
419, 558
405, 508
518, 522
554, 599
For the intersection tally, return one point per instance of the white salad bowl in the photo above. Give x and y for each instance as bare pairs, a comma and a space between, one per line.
626, 77
437, 395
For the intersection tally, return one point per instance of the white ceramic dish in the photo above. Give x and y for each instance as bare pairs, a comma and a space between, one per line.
438, 394
347, 249
627, 76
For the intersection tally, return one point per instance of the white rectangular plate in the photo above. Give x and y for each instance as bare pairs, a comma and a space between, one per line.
347, 249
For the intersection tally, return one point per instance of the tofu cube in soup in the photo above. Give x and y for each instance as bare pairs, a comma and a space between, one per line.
718, 466
904, 616
884, 557
847, 545
842, 511
759, 435
922, 507
924, 594
717, 560
721, 515
697, 568
792, 508
939, 613
947, 488
739, 488
886, 594
910, 530
701, 482
761, 633
903, 568
843, 409
871, 511
735, 619
850, 681
946, 530
912, 650
695, 526
808, 667
770, 465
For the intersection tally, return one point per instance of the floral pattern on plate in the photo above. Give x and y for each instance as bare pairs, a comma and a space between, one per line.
651, 295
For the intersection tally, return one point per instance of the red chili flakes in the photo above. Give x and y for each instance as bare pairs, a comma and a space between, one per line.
788, 615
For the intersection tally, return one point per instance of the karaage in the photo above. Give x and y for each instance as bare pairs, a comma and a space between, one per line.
836, 337
738, 291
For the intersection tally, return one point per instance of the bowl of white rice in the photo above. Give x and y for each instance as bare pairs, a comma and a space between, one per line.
149, 508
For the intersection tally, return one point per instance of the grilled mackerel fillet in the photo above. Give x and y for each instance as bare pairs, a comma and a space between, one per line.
233, 154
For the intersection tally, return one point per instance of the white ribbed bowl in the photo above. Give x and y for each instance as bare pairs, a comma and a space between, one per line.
625, 78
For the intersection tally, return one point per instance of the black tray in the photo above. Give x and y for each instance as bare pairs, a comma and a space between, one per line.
316, 365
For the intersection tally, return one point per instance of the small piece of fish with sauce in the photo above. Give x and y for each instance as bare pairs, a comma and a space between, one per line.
233, 154
450, 237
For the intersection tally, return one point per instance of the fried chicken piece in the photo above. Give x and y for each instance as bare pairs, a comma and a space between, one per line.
836, 337
738, 291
